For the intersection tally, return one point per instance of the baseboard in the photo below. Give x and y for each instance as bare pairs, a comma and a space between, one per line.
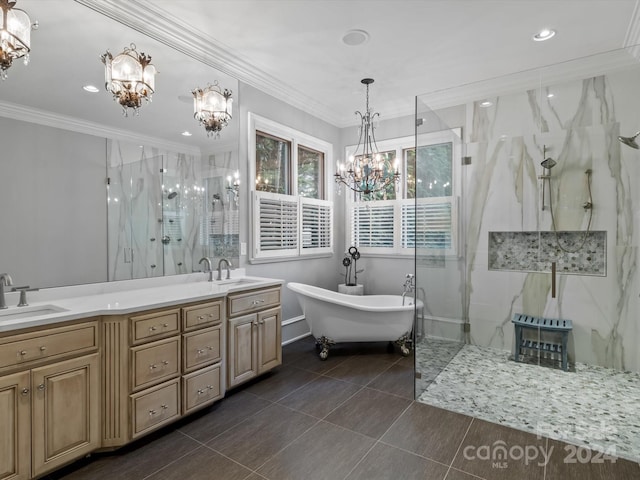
294, 329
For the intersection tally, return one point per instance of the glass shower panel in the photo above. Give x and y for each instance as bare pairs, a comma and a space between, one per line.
134, 211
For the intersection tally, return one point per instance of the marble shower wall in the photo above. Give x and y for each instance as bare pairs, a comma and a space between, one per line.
577, 126
163, 211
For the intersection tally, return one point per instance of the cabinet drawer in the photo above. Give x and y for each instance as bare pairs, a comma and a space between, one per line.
202, 315
154, 407
201, 388
155, 362
202, 347
241, 303
154, 325
49, 343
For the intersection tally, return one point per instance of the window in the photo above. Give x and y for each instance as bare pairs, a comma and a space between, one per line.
419, 212
291, 218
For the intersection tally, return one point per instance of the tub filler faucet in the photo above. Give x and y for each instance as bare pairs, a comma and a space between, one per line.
409, 285
5, 281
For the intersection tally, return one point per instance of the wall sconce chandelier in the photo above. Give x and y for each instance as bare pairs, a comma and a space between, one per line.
15, 36
130, 77
366, 171
212, 108
233, 186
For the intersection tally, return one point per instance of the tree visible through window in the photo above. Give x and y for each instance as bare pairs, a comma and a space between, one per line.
310, 173
273, 156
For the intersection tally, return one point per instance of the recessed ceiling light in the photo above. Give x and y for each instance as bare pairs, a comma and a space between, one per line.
91, 89
355, 37
544, 34
486, 104
186, 133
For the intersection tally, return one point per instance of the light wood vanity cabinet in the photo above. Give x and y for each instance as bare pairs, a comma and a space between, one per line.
255, 334
49, 398
160, 365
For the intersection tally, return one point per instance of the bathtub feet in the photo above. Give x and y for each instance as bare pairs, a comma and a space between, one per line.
323, 343
403, 343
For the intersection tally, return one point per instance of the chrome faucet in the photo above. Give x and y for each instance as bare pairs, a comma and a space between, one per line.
208, 268
5, 281
228, 268
409, 285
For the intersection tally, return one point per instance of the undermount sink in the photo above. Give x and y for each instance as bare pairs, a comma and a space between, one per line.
237, 281
28, 312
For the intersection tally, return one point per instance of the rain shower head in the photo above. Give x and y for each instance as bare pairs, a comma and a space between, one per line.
172, 195
630, 141
548, 163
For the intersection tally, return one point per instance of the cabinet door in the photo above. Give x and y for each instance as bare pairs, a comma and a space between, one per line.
65, 422
15, 434
242, 360
269, 339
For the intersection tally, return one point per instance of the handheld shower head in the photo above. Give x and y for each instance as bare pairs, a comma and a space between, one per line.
548, 163
630, 141
172, 195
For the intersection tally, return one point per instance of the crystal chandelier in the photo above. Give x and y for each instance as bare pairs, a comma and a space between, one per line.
15, 36
212, 108
130, 77
366, 171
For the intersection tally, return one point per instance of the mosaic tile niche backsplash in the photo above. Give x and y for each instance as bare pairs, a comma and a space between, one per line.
583, 254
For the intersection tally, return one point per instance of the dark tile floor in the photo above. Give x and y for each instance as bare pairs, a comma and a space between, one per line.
350, 417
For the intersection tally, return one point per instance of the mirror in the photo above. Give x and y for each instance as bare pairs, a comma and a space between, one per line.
90, 195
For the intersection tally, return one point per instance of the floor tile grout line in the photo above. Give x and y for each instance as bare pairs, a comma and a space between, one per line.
455, 455
291, 392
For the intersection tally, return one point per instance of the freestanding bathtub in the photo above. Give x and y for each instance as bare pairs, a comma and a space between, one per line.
337, 317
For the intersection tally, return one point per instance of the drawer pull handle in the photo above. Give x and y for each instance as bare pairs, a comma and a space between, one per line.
261, 322
201, 392
210, 387
153, 366
258, 302
43, 348
200, 351
152, 328
24, 392
165, 325
165, 362
23, 352
152, 413
200, 317
211, 315
164, 407
41, 387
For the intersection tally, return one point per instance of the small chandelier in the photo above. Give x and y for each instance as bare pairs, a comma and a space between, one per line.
130, 77
15, 36
212, 108
366, 171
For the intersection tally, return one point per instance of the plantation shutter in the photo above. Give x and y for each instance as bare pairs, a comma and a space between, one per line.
430, 224
372, 225
316, 222
276, 219
285, 225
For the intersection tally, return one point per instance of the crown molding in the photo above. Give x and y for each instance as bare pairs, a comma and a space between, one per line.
152, 21
49, 119
572, 70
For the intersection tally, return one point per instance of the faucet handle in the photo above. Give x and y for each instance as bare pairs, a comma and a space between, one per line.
23, 294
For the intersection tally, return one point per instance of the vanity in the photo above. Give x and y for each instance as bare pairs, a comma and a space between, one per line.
97, 370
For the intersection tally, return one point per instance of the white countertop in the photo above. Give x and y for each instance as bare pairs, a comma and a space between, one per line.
117, 298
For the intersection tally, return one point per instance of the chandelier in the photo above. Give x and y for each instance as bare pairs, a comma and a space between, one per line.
15, 36
212, 108
130, 77
366, 171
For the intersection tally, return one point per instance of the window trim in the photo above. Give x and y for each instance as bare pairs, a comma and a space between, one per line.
297, 138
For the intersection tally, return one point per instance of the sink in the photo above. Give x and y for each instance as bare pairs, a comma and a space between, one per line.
17, 313
237, 281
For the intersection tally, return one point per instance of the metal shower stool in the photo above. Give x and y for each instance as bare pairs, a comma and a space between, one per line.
560, 326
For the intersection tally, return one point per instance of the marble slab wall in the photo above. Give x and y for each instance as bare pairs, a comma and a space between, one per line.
577, 124
167, 210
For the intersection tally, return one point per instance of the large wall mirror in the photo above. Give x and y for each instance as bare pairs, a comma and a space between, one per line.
90, 195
